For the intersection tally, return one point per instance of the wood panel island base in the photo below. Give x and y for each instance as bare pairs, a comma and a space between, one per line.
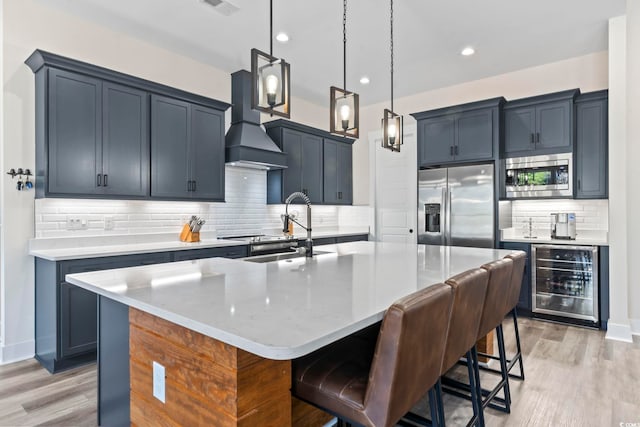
208, 382
225, 331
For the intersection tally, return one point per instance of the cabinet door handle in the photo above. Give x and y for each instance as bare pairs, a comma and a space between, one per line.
537, 137
533, 140
578, 184
188, 185
451, 150
456, 150
194, 185
340, 195
106, 180
99, 180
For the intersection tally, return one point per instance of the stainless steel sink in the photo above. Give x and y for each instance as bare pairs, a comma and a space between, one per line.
281, 257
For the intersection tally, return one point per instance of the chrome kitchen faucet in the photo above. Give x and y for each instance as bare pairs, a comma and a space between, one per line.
308, 243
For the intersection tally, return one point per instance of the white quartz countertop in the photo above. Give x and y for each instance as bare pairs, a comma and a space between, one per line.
67, 248
285, 309
583, 237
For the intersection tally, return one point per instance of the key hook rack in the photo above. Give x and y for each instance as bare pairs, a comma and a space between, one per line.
20, 185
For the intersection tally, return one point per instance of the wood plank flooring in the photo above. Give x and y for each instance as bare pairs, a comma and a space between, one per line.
574, 378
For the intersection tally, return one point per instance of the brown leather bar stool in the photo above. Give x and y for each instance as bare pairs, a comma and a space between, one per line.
492, 316
376, 388
511, 301
469, 291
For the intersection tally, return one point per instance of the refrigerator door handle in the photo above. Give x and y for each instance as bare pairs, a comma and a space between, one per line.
449, 240
445, 215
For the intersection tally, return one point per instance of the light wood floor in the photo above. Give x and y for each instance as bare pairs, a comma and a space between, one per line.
574, 378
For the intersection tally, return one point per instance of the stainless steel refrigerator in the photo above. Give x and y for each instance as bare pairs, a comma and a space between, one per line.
456, 206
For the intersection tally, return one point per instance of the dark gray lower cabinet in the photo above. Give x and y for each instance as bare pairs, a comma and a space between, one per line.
66, 314
77, 320
524, 302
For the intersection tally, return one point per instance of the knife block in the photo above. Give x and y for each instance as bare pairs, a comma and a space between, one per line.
186, 235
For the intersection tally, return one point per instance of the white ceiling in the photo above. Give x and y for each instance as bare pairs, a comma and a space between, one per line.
428, 36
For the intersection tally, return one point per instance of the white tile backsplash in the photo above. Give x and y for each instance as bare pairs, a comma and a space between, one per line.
590, 214
244, 212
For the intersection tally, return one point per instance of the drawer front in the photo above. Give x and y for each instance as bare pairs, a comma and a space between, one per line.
106, 263
224, 252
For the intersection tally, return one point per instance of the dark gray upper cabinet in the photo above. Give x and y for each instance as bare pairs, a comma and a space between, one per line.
436, 140
459, 134
170, 135
125, 141
318, 164
591, 154
338, 180
304, 160
207, 153
187, 150
94, 133
539, 125
74, 133
98, 137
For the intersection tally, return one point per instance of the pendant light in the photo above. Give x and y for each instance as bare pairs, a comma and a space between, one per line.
391, 122
271, 81
344, 116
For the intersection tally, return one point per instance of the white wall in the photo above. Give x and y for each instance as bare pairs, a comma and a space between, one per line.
28, 25
633, 154
587, 72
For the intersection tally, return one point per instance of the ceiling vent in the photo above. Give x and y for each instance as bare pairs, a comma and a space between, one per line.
223, 7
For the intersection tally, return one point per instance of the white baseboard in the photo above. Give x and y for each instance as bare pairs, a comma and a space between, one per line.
16, 352
618, 332
635, 326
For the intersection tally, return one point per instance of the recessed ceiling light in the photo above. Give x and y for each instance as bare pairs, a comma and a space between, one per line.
282, 37
468, 51
364, 80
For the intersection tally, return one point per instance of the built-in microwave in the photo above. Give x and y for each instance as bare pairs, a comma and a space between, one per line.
539, 176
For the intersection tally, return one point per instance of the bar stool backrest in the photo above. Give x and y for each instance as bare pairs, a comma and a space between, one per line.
469, 291
497, 292
519, 260
408, 355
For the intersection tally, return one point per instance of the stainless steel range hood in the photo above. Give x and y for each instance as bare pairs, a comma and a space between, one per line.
246, 142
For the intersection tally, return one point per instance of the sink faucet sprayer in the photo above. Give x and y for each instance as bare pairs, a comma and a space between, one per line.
308, 243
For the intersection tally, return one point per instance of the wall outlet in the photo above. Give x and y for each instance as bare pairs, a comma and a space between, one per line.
158, 381
108, 223
77, 223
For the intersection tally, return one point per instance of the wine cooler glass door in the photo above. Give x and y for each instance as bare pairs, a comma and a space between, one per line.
565, 281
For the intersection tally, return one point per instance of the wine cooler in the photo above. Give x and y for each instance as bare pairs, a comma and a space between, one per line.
565, 281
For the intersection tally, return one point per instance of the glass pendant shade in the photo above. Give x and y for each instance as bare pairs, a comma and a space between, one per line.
344, 113
270, 84
392, 124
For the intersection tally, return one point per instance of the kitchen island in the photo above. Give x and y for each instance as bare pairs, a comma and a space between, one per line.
225, 330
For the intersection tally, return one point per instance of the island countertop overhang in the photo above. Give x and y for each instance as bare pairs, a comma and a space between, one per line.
285, 309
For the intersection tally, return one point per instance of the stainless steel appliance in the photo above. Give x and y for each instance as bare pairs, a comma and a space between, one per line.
456, 206
263, 244
565, 281
563, 226
539, 176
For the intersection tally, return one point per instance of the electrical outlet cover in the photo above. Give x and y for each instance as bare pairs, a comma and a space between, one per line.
158, 381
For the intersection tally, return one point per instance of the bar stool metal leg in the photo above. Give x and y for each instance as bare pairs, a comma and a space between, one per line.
518, 355
503, 368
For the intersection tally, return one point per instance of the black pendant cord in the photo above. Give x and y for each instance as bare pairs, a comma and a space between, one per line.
344, 45
391, 19
271, 27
